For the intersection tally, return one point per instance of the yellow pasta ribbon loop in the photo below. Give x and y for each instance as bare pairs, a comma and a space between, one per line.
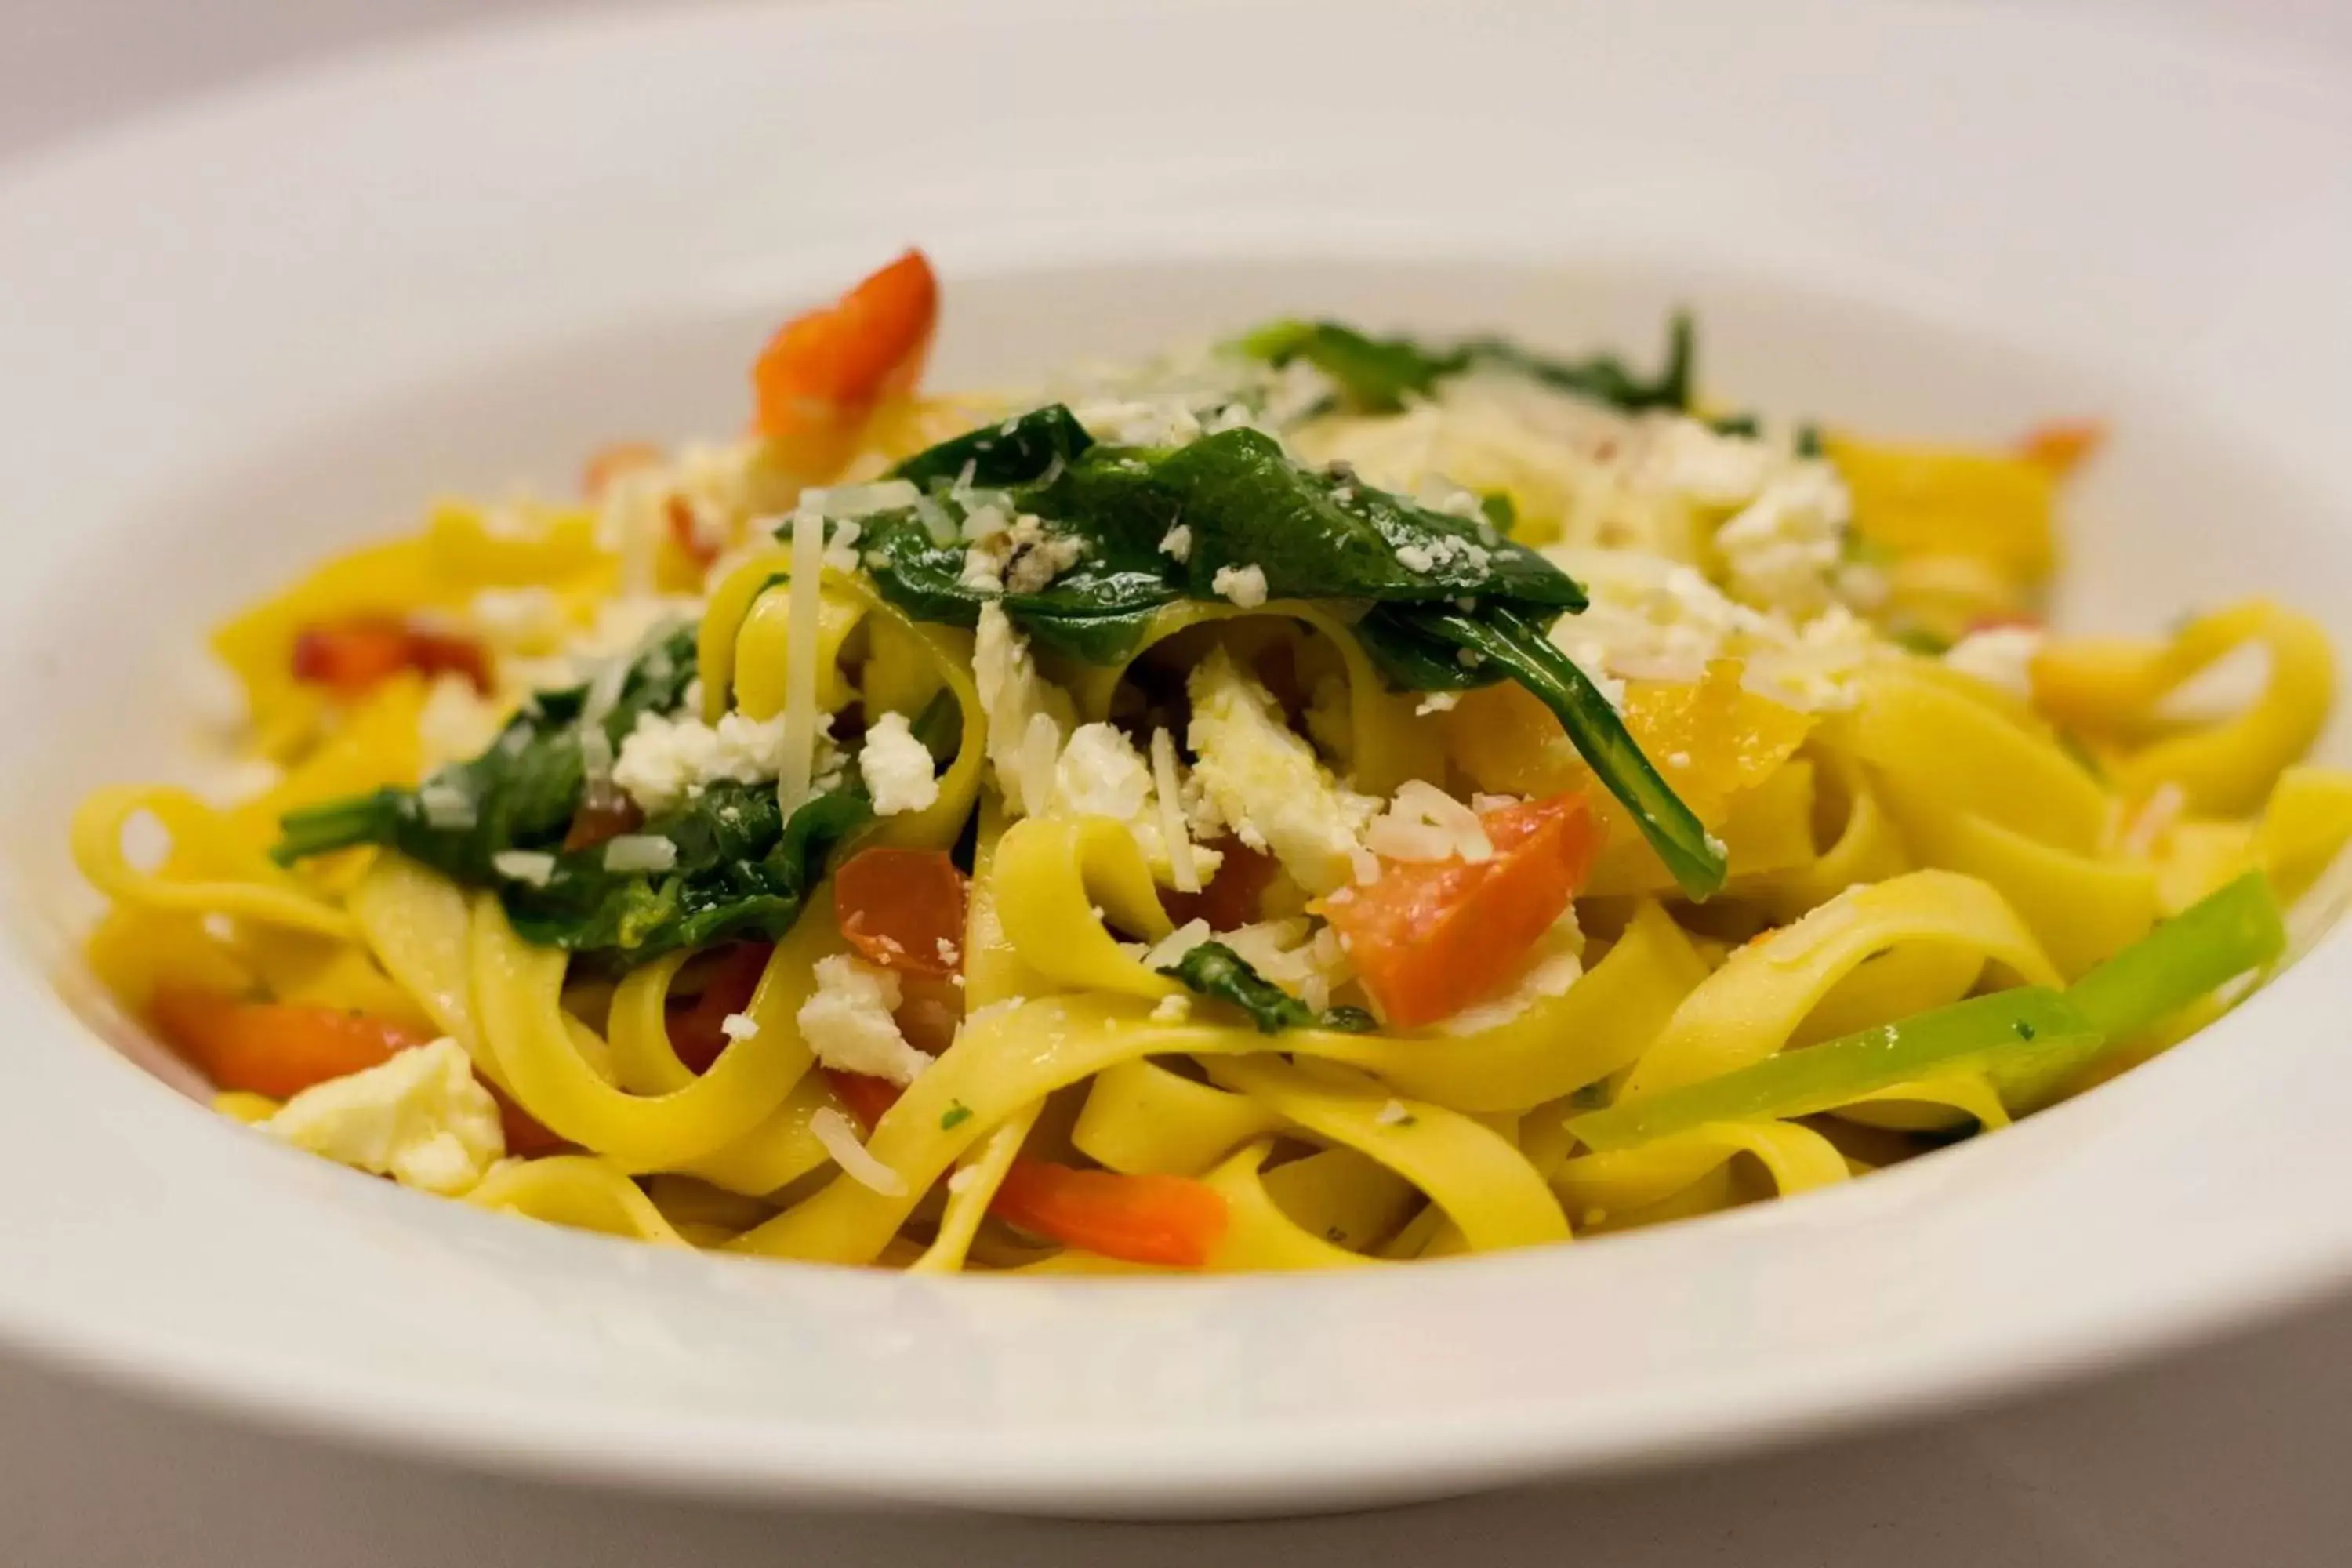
1956, 743
1141, 1117
637, 1029
777, 1153
983, 1172
1930, 1105
210, 867
1598, 1189
419, 925
579, 1191
761, 657
947, 650
1051, 881
518, 999
1599, 1026
2305, 826
1483, 1184
1865, 848
1389, 745
999, 1065
2113, 687
1750, 1007
1345, 1197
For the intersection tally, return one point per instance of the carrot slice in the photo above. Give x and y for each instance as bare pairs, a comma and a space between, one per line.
1429, 938
1170, 1220
902, 909
827, 369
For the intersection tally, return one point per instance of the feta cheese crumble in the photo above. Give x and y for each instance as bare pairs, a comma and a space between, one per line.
1245, 585
899, 769
847, 1021
1266, 782
421, 1117
667, 760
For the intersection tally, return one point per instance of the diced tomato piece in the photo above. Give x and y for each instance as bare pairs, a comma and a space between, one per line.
1430, 937
1232, 898
902, 909
604, 814
827, 369
2062, 444
280, 1048
1170, 1220
274, 1048
610, 462
695, 1028
350, 657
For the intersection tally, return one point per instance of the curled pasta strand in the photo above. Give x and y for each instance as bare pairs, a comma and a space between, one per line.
1051, 882
576, 1190
518, 999
209, 868
2114, 687
1750, 1007
1388, 746
1596, 1188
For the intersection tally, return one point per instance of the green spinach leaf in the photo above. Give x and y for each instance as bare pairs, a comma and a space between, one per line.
1212, 969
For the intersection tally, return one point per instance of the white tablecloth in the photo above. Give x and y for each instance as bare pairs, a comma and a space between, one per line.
2230, 1454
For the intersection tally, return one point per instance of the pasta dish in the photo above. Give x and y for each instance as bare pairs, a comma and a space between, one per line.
1314, 800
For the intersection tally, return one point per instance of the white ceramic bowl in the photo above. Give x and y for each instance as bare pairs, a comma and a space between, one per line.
233, 339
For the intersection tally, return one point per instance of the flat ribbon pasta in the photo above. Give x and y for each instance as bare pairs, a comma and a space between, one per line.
2114, 687
1750, 1007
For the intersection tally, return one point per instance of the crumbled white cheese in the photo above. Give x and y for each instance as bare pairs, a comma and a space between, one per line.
1266, 782
1424, 823
421, 1119
1171, 949
1245, 585
832, 1129
1308, 963
1173, 1009
666, 760
2000, 656
847, 1021
532, 868
1018, 703
1164, 421
1436, 703
632, 852
899, 773
1396, 1113
739, 1027
1177, 543
1783, 549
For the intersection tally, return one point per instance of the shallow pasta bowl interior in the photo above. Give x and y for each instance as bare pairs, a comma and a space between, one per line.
278, 322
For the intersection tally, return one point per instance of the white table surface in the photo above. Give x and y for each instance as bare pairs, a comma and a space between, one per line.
2231, 1453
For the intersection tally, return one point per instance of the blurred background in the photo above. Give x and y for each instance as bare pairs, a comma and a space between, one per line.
2229, 1453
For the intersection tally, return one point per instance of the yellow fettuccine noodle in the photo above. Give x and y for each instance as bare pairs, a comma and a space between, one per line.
1919, 833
